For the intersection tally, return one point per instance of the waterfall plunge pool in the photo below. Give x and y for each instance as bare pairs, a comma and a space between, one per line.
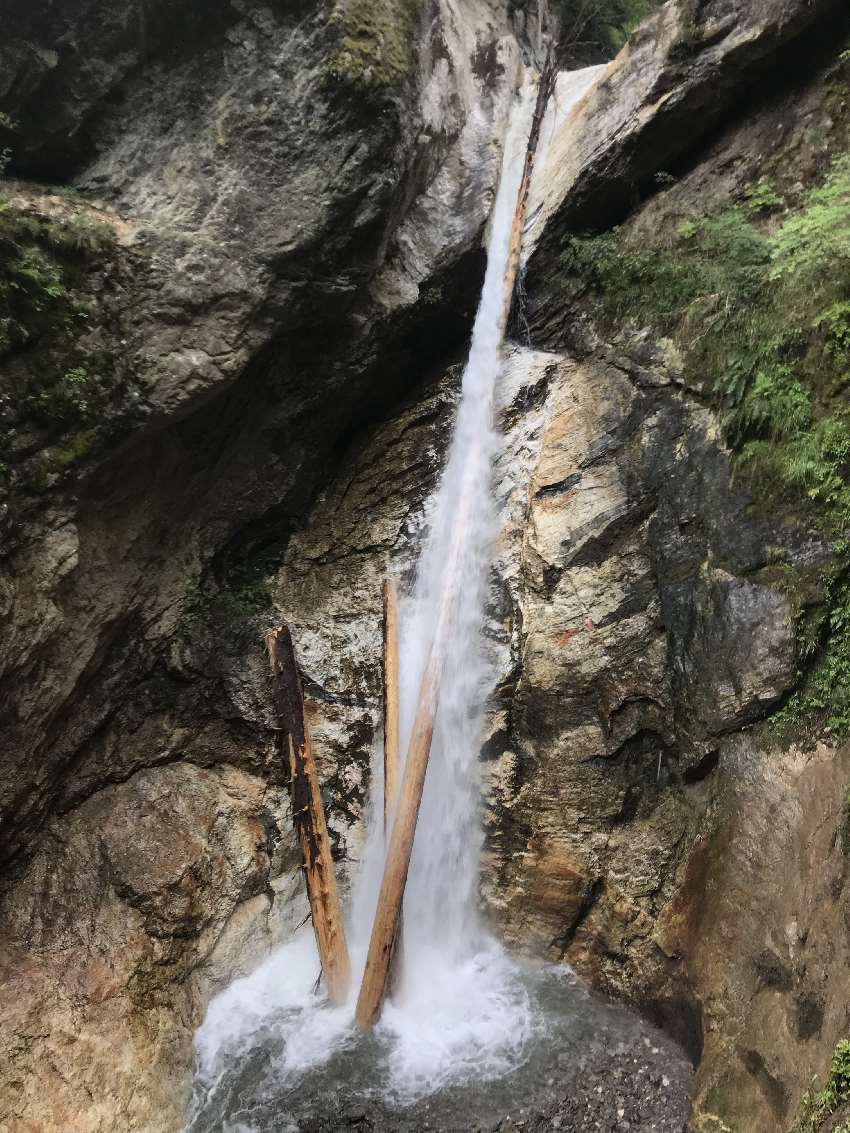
490, 1044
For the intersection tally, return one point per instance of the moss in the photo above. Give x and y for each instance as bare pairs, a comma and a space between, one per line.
59, 384
75, 449
818, 1106
374, 42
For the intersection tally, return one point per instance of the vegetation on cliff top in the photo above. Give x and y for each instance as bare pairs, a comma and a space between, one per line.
593, 30
757, 299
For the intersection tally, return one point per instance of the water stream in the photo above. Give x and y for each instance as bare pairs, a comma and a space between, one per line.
467, 1027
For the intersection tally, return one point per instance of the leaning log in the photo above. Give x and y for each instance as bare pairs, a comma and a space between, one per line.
545, 89
391, 746
308, 814
385, 927
388, 911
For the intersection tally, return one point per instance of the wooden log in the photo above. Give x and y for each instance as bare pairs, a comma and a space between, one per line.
308, 814
545, 89
383, 941
391, 748
385, 927
388, 912
391, 745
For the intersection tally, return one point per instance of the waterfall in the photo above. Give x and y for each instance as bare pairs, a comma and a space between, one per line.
462, 1008
451, 993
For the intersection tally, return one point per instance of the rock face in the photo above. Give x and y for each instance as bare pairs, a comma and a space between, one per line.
639, 624
274, 229
139, 905
274, 251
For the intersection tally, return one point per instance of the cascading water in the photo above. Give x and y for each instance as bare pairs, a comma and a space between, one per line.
463, 1013
455, 999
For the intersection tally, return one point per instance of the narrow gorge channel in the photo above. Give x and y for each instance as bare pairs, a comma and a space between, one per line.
466, 1027
255, 359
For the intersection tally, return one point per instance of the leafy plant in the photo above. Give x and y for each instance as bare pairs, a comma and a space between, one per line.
834, 325
761, 197
9, 125
63, 386
761, 318
818, 1106
813, 246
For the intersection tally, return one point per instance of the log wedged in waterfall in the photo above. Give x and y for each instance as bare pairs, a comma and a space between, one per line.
545, 89
388, 912
391, 739
308, 813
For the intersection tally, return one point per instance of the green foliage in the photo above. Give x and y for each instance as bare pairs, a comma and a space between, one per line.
818, 1106
714, 261
8, 125
40, 263
59, 386
813, 246
762, 198
597, 29
823, 698
374, 42
763, 321
761, 318
834, 325
67, 401
776, 404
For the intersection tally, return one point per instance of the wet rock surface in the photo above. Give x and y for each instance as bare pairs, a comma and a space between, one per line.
628, 1090
293, 266
256, 231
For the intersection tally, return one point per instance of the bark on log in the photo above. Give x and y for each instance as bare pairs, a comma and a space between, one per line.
308, 814
385, 927
391, 752
388, 911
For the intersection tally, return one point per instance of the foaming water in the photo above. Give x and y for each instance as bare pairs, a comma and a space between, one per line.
461, 1011
273, 1057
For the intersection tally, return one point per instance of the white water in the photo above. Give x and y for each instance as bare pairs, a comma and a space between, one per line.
461, 1010
441, 930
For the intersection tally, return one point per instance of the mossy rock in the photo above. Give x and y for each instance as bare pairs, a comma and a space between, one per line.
54, 387
374, 42
756, 299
